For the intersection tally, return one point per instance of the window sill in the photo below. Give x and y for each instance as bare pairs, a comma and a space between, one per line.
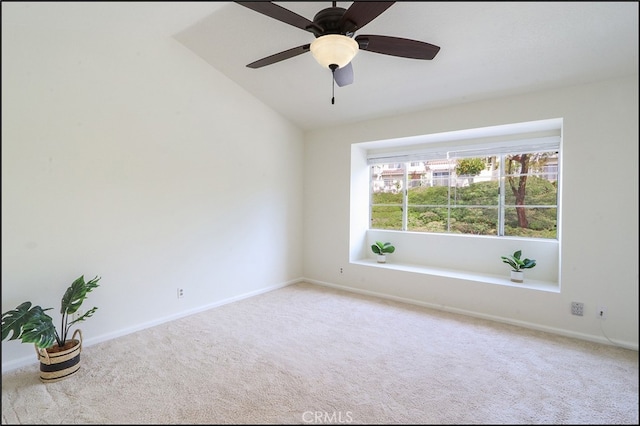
462, 275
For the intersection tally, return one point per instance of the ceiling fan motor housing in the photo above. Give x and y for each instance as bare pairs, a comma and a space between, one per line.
328, 20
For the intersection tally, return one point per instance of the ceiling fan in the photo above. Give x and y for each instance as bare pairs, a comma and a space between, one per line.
334, 28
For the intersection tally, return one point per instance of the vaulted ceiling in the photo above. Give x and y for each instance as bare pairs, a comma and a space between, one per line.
488, 49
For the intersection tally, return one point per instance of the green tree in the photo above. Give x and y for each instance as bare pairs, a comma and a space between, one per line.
517, 168
470, 166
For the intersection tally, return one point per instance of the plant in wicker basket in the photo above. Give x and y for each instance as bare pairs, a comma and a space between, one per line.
59, 356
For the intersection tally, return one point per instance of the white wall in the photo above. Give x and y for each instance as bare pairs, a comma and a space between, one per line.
599, 217
128, 157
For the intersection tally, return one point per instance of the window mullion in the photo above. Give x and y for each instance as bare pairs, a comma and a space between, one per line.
405, 197
501, 195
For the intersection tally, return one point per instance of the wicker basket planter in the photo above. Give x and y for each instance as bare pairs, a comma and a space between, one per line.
59, 363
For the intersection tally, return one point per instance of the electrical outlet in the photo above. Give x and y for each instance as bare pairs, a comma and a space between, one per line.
577, 308
180, 293
340, 270
602, 312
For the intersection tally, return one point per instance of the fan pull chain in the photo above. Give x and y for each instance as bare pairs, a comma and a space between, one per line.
333, 88
333, 82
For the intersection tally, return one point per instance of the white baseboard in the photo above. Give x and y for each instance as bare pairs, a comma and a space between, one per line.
532, 326
31, 360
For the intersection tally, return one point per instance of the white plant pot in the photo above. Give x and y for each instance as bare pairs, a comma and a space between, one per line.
381, 258
517, 276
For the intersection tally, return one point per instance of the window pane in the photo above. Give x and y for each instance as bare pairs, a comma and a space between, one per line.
463, 195
531, 222
533, 163
537, 191
387, 178
474, 220
429, 196
476, 193
386, 217
427, 219
387, 182
387, 198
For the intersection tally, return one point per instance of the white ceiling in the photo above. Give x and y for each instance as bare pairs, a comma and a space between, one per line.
488, 49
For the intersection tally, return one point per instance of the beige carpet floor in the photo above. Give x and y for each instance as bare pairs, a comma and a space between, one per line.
307, 354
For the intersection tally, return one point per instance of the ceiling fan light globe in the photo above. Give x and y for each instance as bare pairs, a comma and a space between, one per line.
334, 49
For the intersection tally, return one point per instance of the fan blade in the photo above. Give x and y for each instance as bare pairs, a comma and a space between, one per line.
280, 56
396, 46
274, 11
344, 76
360, 13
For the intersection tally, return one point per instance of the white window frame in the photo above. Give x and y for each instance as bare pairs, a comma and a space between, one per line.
547, 140
439, 254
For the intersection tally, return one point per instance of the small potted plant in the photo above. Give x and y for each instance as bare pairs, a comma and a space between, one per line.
381, 249
59, 356
517, 265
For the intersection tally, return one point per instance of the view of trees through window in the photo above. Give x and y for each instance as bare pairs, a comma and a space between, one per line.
501, 195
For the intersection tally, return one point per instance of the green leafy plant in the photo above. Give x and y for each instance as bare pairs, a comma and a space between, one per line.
516, 263
470, 166
381, 248
32, 325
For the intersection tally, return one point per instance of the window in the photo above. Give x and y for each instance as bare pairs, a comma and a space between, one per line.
498, 187
443, 197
